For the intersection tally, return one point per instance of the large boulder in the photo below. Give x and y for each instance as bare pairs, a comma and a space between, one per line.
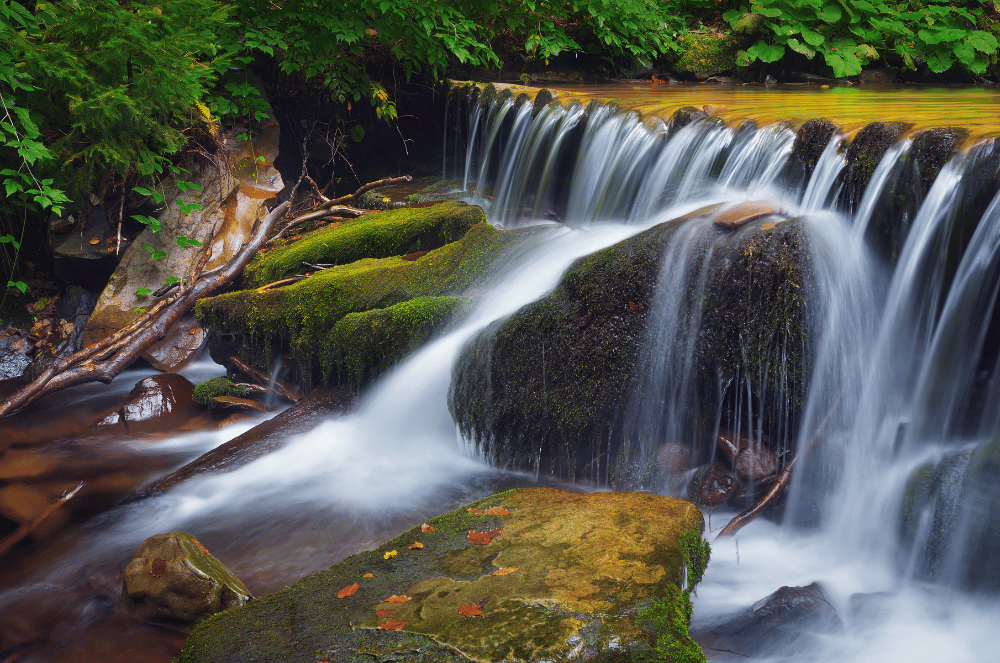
310, 318
156, 404
557, 384
232, 193
172, 579
528, 575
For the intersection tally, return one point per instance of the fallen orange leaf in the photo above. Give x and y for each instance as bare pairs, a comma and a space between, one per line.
392, 626
383, 614
470, 610
95, 241
475, 511
505, 570
478, 538
350, 590
425, 528
417, 546
397, 598
368, 575
497, 511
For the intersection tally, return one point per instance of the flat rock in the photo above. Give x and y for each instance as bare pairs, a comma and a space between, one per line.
738, 215
228, 404
537, 574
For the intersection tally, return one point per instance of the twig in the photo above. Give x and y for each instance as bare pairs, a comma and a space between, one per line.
319, 267
283, 282
366, 188
28, 527
289, 391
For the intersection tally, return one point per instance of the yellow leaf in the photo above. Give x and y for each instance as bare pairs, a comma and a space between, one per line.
417, 546
505, 570
391, 553
367, 575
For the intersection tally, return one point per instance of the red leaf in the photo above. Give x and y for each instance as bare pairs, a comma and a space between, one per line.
397, 598
347, 591
470, 610
392, 626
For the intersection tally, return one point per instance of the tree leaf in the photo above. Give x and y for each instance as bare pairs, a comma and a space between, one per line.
470, 610
350, 590
392, 626
397, 598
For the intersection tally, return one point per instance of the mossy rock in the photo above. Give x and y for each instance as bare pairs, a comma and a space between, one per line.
303, 317
549, 387
863, 156
597, 573
367, 343
703, 55
214, 387
810, 143
391, 233
443, 190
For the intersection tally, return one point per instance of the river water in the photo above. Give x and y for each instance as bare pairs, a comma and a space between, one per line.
902, 348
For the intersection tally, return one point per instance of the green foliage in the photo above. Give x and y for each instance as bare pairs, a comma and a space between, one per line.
220, 386
852, 33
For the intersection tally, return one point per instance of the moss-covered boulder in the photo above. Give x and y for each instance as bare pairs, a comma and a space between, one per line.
172, 579
215, 387
549, 387
551, 576
304, 317
702, 55
392, 233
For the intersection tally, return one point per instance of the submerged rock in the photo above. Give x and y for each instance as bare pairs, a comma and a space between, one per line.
553, 576
751, 460
738, 215
172, 579
714, 484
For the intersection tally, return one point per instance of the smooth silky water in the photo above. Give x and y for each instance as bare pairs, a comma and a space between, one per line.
886, 389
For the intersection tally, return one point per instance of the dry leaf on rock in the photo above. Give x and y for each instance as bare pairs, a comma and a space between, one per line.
350, 590
417, 546
392, 626
368, 575
470, 610
397, 598
483, 538
425, 528
505, 570
391, 553
496, 511
475, 511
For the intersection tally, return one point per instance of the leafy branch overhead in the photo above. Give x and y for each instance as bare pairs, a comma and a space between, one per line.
852, 33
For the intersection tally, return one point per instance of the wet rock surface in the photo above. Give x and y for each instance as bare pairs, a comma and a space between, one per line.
156, 404
527, 575
779, 624
172, 579
714, 484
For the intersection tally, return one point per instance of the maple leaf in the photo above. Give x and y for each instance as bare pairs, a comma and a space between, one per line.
483, 538
350, 590
417, 546
496, 511
392, 626
425, 528
470, 610
397, 598
383, 614
505, 570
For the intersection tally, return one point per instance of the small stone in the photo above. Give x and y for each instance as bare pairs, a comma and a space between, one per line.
751, 460
717, 485
171, 581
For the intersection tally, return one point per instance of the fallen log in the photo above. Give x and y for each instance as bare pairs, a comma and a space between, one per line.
28, 527
286, 390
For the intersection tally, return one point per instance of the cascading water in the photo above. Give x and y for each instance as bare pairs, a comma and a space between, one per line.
903, 387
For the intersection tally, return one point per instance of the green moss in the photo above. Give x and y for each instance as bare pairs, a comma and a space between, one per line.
443, 190
303, 317
220, 386
367, 343
863, 156
704, 55
391, 233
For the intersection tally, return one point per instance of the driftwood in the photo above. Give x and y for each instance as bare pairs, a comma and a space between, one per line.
28, 527
784, 477
102, 361
284, 389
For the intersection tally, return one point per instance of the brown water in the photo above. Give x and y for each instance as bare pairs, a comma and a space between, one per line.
977, 109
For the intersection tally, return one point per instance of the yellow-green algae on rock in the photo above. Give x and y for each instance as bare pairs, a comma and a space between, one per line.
599, 578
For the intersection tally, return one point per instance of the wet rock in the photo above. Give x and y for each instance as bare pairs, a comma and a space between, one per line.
21, 503
172, 579
715, 484
561, 576
14, 358
74, 308
158, 403
779, 624
738, 215
869, 609
863, 156
811, 140
751, 460
683, 117
205, 392
230, 404
179, 346
880, 76
25, 464
267, 436
673, 458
